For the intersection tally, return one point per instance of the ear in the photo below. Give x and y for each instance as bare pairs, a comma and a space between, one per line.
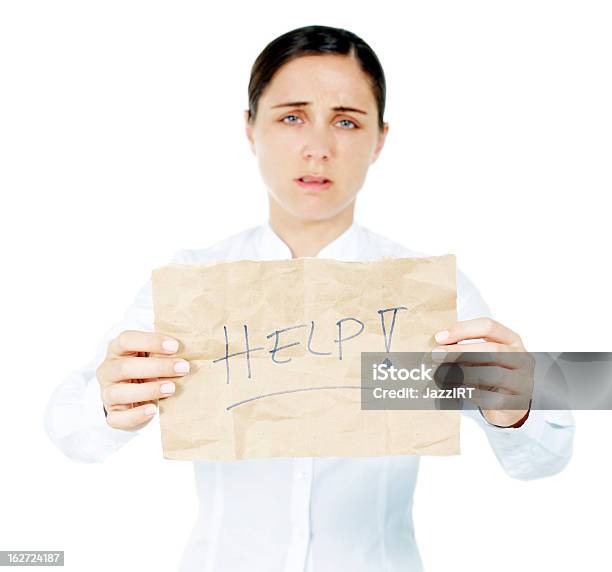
380, 143
248, 128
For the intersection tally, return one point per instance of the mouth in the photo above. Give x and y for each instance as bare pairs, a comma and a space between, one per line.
314, 183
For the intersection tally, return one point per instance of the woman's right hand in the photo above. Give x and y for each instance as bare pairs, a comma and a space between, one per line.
136, 373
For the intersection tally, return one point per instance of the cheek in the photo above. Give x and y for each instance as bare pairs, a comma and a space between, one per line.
273, 151
355, 158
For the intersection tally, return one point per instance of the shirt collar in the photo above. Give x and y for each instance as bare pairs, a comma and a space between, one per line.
344, 247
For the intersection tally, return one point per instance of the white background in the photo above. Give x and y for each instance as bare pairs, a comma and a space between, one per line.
121, 141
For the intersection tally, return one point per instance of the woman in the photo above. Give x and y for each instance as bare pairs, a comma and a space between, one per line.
315, 124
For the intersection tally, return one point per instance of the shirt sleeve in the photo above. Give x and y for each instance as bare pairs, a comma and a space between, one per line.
74, 416
542, 446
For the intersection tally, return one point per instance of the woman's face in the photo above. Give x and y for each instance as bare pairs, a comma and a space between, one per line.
301, 130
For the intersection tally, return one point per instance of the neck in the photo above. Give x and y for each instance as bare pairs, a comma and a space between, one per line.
308, 237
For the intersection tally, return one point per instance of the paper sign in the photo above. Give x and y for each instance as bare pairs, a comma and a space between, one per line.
275, 346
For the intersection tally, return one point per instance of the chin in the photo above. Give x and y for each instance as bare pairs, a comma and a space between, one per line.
313, 207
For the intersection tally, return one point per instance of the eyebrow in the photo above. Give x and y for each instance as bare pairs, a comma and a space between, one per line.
304, 103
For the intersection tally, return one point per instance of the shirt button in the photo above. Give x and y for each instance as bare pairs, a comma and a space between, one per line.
302, 475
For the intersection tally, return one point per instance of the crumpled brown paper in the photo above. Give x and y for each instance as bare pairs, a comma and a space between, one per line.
294, 402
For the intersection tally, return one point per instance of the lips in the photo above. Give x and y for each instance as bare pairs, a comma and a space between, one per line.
313, 179
314, 182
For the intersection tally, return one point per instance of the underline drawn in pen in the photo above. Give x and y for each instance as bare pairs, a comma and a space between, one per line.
290, 391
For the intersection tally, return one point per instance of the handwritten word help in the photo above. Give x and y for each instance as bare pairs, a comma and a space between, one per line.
348, 329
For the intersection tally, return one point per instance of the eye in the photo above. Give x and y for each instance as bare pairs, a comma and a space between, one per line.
353, 124
287, 117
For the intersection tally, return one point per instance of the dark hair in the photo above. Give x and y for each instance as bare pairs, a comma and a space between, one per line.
315, 40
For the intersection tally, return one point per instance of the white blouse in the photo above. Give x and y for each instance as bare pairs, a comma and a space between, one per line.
300, 514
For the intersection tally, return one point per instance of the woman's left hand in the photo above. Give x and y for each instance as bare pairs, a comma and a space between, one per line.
501, 372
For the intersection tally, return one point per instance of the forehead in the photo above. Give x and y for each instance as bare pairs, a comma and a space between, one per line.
336, 79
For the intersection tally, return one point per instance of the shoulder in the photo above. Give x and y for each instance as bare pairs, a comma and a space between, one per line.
470, 303
378, 246
232, 247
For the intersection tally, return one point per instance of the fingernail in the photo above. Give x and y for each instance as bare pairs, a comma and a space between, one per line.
167, 387
438, 354
170, 345
150, 409
441, 336
181, 367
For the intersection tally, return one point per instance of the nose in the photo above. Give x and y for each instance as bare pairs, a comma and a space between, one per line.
318, 145
313, 153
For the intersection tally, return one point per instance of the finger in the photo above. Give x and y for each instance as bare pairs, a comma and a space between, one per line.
493, 378
485, 328
125, 393
484, 353
131, 418
126, 368
499, 401
133, 341
449, 375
